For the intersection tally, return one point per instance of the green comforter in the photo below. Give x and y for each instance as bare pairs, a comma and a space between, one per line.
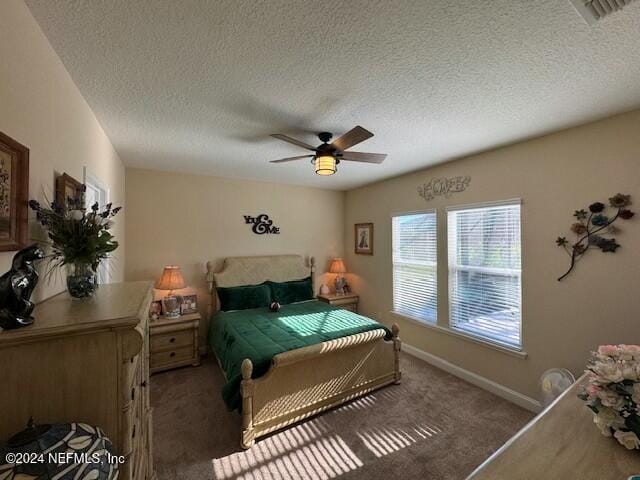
259, 335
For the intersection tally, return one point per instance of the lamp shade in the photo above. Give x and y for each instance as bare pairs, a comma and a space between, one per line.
171, 279
337, 266
325, 165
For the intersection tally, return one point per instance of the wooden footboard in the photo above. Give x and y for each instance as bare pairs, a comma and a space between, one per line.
309, 380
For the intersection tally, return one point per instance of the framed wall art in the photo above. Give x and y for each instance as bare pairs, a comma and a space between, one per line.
69, 192
14, 194
364, 238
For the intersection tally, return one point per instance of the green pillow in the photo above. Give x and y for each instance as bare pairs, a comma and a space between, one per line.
244, 297
291, 292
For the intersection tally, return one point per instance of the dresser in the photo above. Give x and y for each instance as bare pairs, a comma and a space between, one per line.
561, 443
84, 361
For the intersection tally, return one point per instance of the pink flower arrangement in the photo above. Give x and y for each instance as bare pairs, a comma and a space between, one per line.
613, 392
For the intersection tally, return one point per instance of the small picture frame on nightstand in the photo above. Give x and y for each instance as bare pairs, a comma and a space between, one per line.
155, 310
189, 304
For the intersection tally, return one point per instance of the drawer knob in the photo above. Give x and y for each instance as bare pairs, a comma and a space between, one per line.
143, 384
172, 354
172, 340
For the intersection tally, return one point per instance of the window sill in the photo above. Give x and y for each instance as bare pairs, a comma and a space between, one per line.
485, 343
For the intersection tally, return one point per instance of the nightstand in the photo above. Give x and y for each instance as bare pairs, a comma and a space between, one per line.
348, 301
174, 342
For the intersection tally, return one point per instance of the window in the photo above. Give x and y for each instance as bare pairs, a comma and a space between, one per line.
414, 266
484, 272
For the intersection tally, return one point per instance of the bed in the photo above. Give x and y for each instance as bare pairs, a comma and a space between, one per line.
323, 356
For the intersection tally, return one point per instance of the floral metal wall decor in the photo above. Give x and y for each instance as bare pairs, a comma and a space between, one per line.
443, 186
262, 224
591, 227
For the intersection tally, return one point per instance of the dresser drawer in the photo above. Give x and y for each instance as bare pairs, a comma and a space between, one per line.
171, 340
131, 380
344, 302
140, 467
133, 425
137, 453
171, 357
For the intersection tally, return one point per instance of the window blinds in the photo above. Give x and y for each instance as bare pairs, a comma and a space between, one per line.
485, 272
414, 266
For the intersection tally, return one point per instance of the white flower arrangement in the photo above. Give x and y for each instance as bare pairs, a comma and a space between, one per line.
613, 392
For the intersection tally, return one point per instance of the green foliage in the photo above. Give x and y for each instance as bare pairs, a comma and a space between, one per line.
77, 236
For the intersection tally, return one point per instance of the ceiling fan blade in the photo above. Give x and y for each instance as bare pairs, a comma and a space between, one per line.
351, 138
363, 157
291, 159
288, 139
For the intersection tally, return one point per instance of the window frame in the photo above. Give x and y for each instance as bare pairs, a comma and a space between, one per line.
496, 271
422, 321
89, 178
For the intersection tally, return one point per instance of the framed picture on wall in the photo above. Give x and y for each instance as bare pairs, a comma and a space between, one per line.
69, 192
14, 194
364, 238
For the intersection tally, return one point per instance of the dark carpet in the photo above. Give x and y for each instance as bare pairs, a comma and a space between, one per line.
432, 426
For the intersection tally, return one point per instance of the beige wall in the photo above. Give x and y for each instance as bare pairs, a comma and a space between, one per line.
41, 108
189, 219
554, 175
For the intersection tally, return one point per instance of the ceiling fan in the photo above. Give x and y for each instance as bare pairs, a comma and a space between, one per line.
327, 156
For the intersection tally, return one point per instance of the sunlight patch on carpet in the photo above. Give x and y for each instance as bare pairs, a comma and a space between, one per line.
386, 440
304, 451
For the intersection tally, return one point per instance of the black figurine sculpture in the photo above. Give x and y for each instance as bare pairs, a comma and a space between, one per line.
16, 287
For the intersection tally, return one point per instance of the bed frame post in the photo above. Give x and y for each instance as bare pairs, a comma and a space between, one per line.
312, 265
246, 390
211, 283
397, 346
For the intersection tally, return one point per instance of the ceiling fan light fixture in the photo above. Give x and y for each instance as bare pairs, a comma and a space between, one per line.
325, 165
326, 157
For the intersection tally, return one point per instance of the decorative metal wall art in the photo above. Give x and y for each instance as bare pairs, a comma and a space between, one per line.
591, 226
443, 187
262, 224
16, 287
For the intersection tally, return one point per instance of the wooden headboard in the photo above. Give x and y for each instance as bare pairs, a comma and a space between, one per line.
238, 271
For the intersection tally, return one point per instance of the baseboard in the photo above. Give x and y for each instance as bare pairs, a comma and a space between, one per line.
477, 380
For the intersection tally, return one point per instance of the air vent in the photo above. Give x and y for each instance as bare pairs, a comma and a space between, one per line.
594, 10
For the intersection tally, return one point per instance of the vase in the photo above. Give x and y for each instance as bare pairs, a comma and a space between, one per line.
81, 280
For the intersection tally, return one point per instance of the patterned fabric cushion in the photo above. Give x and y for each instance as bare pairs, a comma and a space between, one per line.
291, 292
242, 298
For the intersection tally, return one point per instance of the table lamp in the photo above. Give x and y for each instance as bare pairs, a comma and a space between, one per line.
170, 280
338, 267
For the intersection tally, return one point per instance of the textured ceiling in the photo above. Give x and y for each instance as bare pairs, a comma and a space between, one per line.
198, 85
